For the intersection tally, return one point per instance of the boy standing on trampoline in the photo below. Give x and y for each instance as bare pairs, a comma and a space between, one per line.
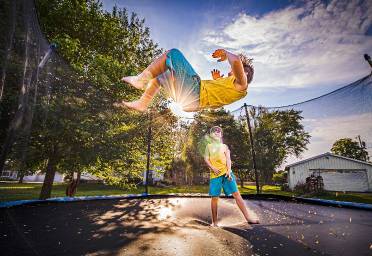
217, 157
172, 71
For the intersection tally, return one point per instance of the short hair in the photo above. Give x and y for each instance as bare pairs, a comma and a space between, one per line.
248, 66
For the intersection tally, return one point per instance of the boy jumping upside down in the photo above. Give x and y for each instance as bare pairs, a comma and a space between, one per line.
172, 71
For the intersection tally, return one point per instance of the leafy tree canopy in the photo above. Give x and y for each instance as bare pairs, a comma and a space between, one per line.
349, 148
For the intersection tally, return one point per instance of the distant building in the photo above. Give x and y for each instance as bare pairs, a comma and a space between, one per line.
8, 174
37, 177
339, 173
154, 175
40, 176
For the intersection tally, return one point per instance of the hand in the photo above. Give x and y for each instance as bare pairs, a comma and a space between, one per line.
216, 171
228, 175
220, 53
216, 74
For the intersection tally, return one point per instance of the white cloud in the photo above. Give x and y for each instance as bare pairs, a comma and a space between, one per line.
325, 131
298, 46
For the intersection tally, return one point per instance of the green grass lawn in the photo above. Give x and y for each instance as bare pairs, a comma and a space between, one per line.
267, 189
15, 191
348, 197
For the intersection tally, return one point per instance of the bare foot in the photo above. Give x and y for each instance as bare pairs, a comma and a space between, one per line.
215, 225
134, 81
136, 105
140, 81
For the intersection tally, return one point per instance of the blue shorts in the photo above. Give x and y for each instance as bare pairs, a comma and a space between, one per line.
222, 182
180, 80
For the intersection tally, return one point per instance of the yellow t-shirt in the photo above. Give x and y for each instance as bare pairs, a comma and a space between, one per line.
218, 159
219, 92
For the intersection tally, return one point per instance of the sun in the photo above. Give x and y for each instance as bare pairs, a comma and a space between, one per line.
177, 110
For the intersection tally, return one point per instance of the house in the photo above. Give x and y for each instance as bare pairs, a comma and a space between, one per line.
39, 177
339, 173
154, 175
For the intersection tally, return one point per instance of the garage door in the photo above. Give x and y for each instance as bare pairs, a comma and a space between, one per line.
345, 180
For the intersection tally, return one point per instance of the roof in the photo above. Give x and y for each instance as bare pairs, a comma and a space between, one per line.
328, 154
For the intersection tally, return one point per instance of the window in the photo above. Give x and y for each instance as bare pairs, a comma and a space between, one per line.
6, 174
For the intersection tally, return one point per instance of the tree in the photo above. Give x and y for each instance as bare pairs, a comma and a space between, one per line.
280, 177
18, 86
66, 121
75, 128
278, 134
240, 151
349, 148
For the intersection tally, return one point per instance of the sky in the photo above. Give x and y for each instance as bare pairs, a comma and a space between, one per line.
301, 49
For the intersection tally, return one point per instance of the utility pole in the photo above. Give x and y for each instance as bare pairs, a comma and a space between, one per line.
362, 145
148, 153
360, 141
252, 148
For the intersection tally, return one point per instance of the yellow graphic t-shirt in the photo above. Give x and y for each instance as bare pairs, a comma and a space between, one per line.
218, 159
219, 92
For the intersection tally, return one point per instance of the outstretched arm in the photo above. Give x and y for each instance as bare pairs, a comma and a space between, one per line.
235, 63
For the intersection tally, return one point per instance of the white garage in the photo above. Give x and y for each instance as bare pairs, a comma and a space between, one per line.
339, 173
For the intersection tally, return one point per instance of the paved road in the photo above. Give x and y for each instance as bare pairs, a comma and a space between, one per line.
179, 226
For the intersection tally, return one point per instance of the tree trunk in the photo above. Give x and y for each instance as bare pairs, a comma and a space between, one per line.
72, 186
241, 182
261, 187
49, 176
21, 176
78, 177
70, 177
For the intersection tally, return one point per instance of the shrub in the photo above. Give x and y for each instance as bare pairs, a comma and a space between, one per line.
168, 182
284, 187
280, 177
300, 188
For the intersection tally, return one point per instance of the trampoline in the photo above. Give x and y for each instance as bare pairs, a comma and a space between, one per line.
38, 117
180, 226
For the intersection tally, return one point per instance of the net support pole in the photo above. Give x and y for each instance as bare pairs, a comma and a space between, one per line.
253, 152
148, 153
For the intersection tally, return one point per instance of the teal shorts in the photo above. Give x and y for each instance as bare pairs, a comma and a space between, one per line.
180, 78
222, 182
